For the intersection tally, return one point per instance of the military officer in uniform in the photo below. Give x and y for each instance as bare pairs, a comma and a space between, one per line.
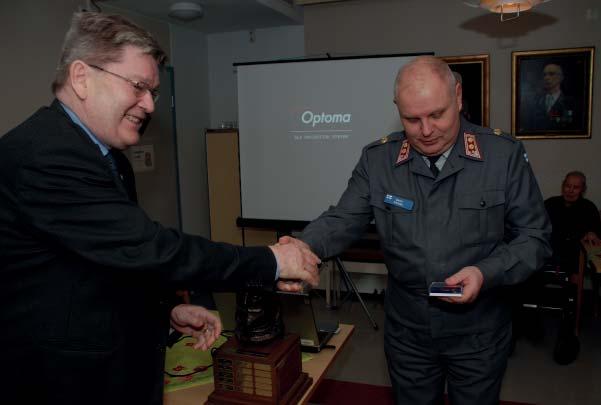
452, 202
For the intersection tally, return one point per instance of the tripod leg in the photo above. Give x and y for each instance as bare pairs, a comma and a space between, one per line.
350, 282
332, 287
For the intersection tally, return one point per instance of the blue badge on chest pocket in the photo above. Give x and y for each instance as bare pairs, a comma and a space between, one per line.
398, 202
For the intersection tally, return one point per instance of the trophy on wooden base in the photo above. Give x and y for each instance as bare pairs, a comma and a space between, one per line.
259, 365
265, 374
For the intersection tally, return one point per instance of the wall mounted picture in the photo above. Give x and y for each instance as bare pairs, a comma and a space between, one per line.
551, 93
473, 72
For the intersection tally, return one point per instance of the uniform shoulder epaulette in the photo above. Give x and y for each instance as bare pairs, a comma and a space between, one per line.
496, 132
394, 137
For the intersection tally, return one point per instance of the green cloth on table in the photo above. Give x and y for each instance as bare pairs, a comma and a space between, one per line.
194, 367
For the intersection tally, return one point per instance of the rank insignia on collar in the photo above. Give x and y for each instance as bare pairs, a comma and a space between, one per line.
471, 146
403, 153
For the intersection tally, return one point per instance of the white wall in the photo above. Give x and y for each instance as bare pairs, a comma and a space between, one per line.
450, 28
31, 34
227, 48
190, 63
206, 95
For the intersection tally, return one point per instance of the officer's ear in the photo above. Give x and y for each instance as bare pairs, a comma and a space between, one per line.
459, 96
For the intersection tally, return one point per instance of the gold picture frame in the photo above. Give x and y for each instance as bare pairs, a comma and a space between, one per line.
474, 71
552, 93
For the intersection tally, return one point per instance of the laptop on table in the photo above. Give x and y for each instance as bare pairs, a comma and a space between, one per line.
298, 315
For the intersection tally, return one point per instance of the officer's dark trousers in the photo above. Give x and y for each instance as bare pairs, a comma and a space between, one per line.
472, 365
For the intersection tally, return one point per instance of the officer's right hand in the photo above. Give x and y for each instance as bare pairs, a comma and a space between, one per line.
297, 265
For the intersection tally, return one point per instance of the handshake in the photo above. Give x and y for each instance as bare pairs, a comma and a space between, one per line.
298, 264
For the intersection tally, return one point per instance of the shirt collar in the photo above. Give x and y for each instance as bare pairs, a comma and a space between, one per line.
442, 158
103, 148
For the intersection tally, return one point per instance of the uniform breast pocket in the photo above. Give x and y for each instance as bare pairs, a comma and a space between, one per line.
395, 224
482, 216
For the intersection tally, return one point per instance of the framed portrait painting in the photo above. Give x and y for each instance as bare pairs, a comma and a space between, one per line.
473, 73
551, 94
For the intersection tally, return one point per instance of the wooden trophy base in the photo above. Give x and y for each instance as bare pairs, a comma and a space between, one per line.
269, 375
293, 396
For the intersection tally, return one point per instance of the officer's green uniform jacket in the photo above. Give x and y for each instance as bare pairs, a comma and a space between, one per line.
484, 209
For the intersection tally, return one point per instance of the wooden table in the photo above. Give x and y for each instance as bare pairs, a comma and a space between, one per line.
316, 368
594, 259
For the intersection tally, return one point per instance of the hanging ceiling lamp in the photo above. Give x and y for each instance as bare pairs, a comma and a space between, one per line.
185, 11
505, 7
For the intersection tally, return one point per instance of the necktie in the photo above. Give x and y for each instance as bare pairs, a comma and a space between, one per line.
112, 163
549, 102
433, 168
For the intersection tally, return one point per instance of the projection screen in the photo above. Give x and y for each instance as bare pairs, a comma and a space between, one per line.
302, 127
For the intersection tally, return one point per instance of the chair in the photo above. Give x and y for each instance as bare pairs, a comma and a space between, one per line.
578, 280
594, 264
558, 287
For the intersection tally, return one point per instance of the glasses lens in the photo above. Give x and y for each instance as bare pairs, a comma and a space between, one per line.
142, 88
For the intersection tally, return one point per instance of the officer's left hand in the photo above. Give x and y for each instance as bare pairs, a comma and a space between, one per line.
471, 279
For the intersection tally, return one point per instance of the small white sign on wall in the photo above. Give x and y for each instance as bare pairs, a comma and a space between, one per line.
142, 158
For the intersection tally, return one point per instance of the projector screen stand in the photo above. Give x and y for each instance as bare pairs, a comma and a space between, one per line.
352, 289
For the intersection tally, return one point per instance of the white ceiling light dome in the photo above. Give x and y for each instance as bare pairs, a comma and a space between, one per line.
185, 10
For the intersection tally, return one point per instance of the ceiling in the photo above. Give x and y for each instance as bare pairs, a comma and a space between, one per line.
220, 15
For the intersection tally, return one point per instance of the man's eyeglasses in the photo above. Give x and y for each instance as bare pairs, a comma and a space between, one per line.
140, 87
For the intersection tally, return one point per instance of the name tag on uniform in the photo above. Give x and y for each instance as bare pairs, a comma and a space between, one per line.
398, 202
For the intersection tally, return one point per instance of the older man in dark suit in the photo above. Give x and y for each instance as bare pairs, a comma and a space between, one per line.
553, 109
85, 272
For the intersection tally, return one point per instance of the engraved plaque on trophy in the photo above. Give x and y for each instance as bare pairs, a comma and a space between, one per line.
259, 374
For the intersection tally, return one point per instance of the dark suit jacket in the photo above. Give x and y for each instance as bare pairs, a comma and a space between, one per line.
563, 114
570, 224
83, 272
126, 174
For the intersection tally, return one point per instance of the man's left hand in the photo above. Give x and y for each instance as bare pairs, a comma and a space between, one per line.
471, 279
197, 322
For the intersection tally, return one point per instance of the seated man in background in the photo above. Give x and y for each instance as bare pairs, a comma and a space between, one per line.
574, 219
